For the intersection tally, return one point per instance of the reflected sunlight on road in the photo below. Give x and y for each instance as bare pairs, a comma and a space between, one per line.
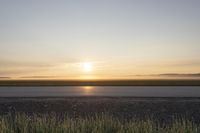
88, 89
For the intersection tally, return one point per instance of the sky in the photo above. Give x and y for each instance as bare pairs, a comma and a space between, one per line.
112, 38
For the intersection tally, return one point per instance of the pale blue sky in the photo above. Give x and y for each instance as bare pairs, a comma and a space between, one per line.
120, 37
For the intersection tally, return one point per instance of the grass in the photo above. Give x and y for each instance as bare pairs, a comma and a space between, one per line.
139, 82
22, 123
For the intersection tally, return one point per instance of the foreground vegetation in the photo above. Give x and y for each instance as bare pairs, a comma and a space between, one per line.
22, 123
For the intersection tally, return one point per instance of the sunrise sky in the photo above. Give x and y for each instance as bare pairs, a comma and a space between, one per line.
98, 39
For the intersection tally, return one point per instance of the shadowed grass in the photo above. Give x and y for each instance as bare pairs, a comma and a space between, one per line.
142, 82
22, 123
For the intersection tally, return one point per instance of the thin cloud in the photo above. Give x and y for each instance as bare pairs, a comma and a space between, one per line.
5, 77
169, 75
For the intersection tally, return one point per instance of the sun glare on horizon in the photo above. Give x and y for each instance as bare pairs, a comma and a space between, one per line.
87, 66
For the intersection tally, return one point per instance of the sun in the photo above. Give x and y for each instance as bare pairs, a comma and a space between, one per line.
87, 66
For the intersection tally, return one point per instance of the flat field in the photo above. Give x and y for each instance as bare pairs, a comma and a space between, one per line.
143, 82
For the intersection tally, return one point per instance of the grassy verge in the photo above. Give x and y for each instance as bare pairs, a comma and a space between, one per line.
22, 123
